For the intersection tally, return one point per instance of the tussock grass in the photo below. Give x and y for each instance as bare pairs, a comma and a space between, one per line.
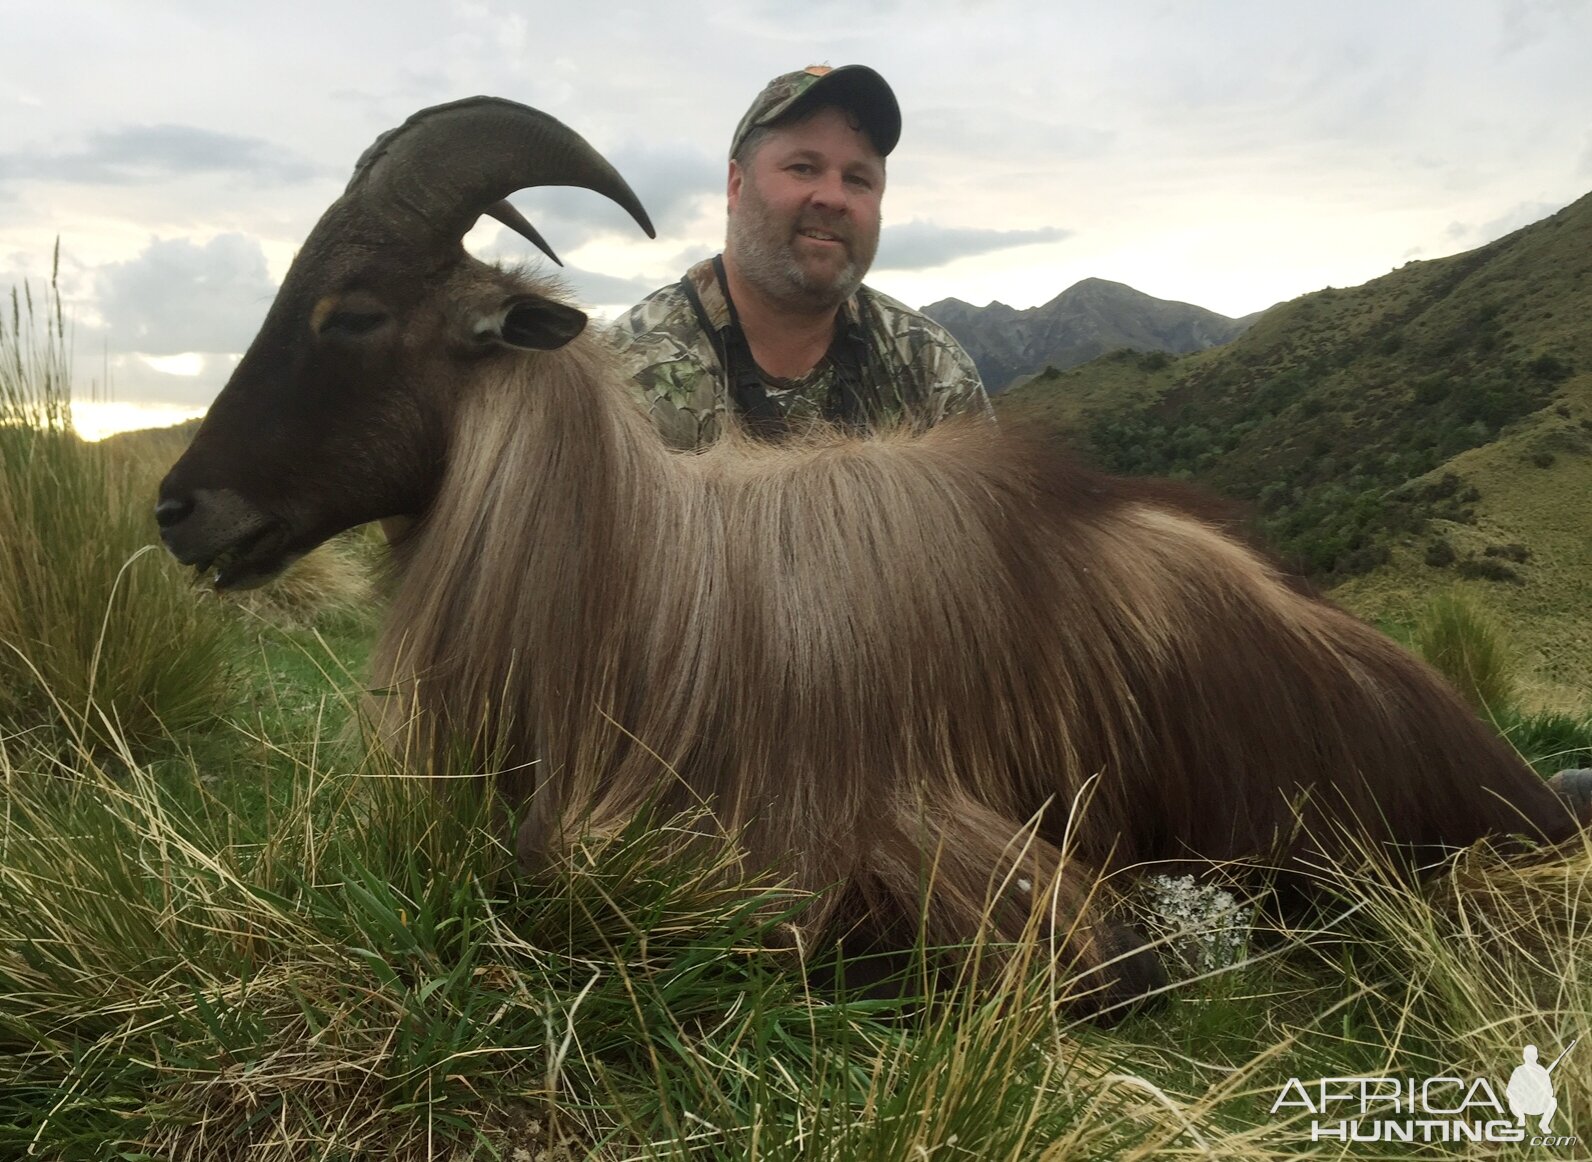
1466, 646
1489, 958
99, 637
355, 971
1550, 740
319, 958
332, 581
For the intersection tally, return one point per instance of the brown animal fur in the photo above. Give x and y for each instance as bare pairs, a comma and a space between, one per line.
873, 655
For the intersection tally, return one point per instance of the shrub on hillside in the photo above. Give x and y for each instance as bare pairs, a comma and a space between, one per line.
1514, 551
1488, 569
1465, 645
1551, 368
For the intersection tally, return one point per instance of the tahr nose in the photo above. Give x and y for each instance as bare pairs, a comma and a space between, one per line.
172, 511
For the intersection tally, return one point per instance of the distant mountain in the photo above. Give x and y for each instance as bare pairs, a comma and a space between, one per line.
1431, 428
1083, 322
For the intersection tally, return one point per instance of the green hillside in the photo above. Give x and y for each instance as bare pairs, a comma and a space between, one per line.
1432, 427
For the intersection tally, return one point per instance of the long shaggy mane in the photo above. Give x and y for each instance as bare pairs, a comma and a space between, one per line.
869, 655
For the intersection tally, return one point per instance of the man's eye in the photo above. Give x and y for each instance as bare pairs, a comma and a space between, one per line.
352, 322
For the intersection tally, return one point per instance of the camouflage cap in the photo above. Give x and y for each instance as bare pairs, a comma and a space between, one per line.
854, 87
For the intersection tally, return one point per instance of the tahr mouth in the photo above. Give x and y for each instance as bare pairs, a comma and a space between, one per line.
250, 561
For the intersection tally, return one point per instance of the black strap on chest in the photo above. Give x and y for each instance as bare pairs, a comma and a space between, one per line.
849, 397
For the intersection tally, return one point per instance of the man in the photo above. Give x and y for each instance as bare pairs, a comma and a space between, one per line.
779, 329
1530, 1090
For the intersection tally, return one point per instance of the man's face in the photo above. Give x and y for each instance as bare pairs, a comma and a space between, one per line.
804, 211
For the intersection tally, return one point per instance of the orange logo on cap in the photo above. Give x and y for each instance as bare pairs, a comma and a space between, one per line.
818, 70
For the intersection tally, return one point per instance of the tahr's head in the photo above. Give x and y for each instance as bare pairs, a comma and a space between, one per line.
339, 412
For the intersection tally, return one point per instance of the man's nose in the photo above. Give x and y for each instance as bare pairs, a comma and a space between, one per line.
831, 192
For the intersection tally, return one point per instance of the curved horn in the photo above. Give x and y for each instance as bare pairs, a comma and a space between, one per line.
447, 165
505, 212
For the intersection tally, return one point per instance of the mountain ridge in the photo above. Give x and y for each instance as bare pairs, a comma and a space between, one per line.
1429, 429
1086, 320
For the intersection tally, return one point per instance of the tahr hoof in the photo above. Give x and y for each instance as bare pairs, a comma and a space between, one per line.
1575, 788
1128, 981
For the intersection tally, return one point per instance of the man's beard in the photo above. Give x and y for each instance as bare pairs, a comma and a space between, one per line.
762, 249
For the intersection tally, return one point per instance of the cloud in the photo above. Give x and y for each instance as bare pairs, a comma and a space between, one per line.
178, 296
135, 384
595, 289
1527, 23
146, 153
1003, 135
405, 89
1518, 216
918, 245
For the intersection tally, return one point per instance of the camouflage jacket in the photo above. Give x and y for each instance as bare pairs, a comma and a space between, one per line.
914, 371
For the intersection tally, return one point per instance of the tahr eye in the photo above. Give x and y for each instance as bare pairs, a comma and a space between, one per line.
352, 322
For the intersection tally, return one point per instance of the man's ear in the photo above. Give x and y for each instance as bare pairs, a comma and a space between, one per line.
533, 322
733, 184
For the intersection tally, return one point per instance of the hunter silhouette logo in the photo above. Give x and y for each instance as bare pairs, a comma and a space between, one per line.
1530, 1090
1450, 1108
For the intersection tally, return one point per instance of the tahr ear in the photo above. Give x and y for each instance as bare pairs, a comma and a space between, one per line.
534, 322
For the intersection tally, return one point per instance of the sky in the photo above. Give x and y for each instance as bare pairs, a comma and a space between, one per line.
1227, 153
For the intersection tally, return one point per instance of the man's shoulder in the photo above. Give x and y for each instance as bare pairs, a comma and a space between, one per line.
901, 327
672, 364
896, 315
662, 310
911, 333
922, 352
667, 318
